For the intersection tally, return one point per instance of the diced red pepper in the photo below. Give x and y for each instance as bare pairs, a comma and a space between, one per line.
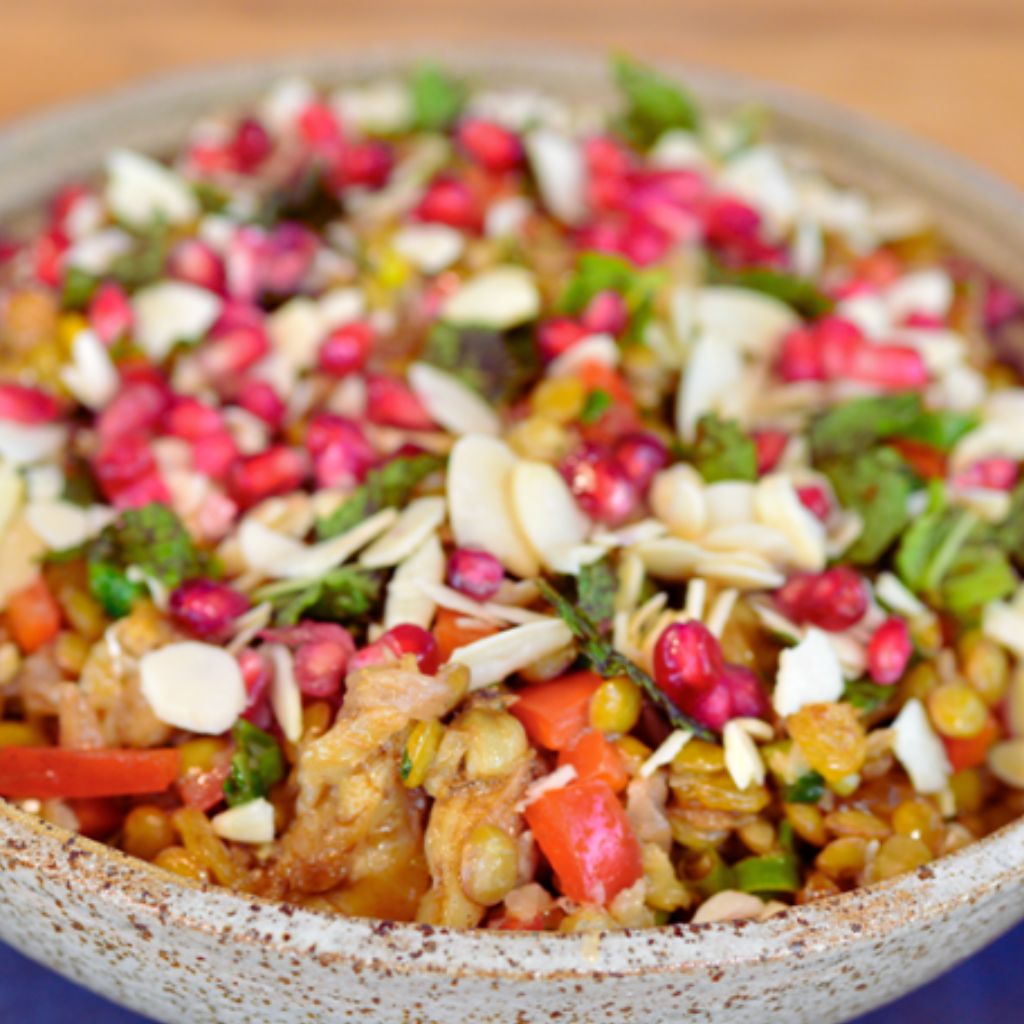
971, 752
52, 772
554, 714
924, 460
451, 632
594, 757
98, 817
33, 616
205, 789
583, 831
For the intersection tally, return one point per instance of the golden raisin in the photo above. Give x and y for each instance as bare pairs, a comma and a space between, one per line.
831, 737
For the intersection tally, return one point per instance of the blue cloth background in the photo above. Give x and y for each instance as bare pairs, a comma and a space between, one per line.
989, 989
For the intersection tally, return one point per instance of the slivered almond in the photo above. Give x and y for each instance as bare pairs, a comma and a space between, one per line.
751, 538
412, 527
251, 822
285, 696
485, 611
501, 297
714, 369
677, 499
729, 503
670, 558
729, 905
778, 506
451, 404
919, 750
495, 658
742, 758
407, 601
546, 512
172, 311
742, 570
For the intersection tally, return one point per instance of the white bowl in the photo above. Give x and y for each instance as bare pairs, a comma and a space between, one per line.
177, 951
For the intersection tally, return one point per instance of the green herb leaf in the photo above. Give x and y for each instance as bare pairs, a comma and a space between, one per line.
596, 587
346, 594
390, 486
405, 768
437, 99
501, 367
77, 289
808, 789
112, 588
876, 485
145, 263
980, 575
800, 293
654, 103
604, 272
256, 767
775, 872
853, 427
1008, 535
867, 696
941, 428
722, 451
608, 662
597, 403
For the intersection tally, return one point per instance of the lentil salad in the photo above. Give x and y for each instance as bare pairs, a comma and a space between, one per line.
707, 639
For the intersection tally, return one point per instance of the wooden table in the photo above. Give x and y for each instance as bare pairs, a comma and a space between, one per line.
952, 70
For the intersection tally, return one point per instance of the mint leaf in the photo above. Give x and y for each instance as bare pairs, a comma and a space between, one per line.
596, 404
596, 587
604, 272
437, 99
256, 767
346, 594
390, 486
653, 102
77, 288
808, 789
498, 366
867, 696
112, 588
852, 427
940, 429
876, 485
980, 575
608, 662
800, 293
722, 451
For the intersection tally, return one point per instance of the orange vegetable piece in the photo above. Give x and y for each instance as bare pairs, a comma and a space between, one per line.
554, 714
971, 752
33, 616
452, 632
45, 772
583, 831
594, 757
925, 460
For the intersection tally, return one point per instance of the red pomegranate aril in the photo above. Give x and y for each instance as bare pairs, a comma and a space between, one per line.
251, 145
840, 343
815, 499
833, 600
256, 675
195, 262
64, 202
191, 419
138, 408
121, 461
605, 313
288, 257
110, 312
243, 263
490, 145
414, 640
891, 367
448, 201
558, 335
319, 127
346, 349
377, 653
640, 455
207, 608
215, 516
320, 667
368, 164
605, 155
22, 404
259, 398
687, 656
747, 694
233, 349
144, 491
800, 357
48, 257
728, 220
601, 488
644, 243
995, 473
889, 652
309, 631
390, 401
475, 573
342, 454
770, 445
214, 454
711, 708
278, 470
928, 321
1001, 305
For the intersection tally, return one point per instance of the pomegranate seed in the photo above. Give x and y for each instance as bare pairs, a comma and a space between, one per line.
195, 261
770, 446
48, 257
110, 312
390, 400
251, 145
288, 257
1001, 305
800, 356
243, 263
711, 708
147, 490
606, 313
320, 666
214, 454
232, 349
259, 398
215, 516
929, 321
600, 486
122, 461
137, 408
207, 608
889, 652
892, 367
307, 632
448, 201
558, 335
997, 474
367, 163
256, 675
476, 573
687, 656
834, 600
747, 694
815, 499
8, 249
377, 653
319, 127
342, 455
605, 155
64, 202
607, 192
191, 419
840, 343
492, 146
205, 157
23, 404
414, 640
728, 220
346, 349
640, 455
644, 243
278, 470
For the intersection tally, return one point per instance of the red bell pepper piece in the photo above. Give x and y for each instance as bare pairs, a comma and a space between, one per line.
583, 831
554, 714
33, 616
595, 757
53, 772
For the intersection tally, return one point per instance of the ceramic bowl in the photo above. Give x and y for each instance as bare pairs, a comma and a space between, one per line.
181, 952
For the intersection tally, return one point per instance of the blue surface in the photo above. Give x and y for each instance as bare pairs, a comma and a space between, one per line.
988, 989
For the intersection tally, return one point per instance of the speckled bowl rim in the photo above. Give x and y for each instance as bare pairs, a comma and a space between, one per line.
993, 863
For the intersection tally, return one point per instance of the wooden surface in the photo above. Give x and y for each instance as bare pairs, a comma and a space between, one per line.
951, 70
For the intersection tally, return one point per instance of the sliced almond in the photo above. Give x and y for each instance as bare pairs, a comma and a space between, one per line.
778, 506
742, 758
23, 444
479, 503
751, 538
740, 569
495, 658
172, 311
560, 169
141, 191
91, 375
485, 611
546, 511
729, 905
285, 696
1006, 760
677, 499
414, 525
670, 558
502, 297
429, 247
666, 753
919, 750
809, 673
407, 600
60, 524
296, 331
714, 369
597, 348
453, 405
193, 686
741, 318
729, 503
251, 822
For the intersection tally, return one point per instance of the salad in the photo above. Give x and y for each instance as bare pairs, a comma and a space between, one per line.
426, 502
